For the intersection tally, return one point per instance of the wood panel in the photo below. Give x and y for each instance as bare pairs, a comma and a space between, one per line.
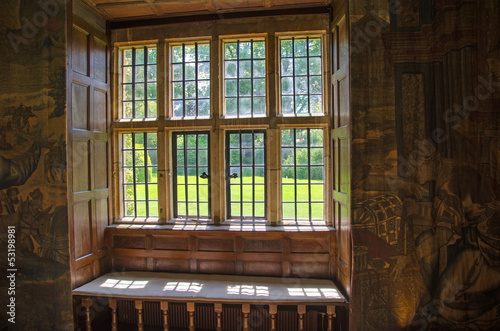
263, 245
100, 165
207, 244
176, 265
259, 268
100, 62
81, 226
222, 267
341, 143
101, 214
88, 127
80, 161
80, 50
171, 243
80, 105
132, 242
100, 110
83, 275
309, 269
281, 254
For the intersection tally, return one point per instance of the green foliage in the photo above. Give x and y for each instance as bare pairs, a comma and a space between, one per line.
152, 55
297, 140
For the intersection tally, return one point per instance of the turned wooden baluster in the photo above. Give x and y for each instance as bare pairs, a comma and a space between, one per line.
273, 310
330, 311
140, 323
218, 311
112, 305
245, 309
190, 309
164, 309
301, 310
87, 303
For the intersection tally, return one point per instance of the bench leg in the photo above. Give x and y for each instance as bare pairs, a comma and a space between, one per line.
301, 310
218, 311
273, 310
245, 309
164, 309
330, 311
112, 305
190, 309
87, 303
140, 323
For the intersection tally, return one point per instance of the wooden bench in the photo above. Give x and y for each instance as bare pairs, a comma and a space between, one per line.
216, 290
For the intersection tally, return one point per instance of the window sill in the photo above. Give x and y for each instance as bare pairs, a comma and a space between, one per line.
232, 227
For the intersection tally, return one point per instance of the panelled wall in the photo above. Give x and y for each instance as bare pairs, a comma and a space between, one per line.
88, 125
275, 253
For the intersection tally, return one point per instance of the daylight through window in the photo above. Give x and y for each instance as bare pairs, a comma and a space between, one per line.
215, 137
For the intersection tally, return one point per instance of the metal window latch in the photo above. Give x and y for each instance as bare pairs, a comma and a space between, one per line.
204, 175
233, 175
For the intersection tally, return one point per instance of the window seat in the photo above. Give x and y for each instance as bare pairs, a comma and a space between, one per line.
214, 291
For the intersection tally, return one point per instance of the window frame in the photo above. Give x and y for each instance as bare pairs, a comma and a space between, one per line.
170, 75
118, 112
120, 187
175, 199
223, 39
301, 221
229, 217
218, 124
325, 63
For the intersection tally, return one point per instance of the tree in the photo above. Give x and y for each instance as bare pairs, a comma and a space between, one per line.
58, 92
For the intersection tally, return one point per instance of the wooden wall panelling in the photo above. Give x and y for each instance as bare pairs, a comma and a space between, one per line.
280, 254
88, 128
341, 142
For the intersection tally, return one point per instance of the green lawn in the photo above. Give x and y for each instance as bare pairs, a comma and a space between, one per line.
238, 187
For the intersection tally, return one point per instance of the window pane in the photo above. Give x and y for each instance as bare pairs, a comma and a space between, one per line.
178, 108
247, 174
259, 68
127, 75
301, 76
302, 178
152, 109
259, 173
317, 211
139, 82
127, 57
234, 157
288, 193
139, 74
259, 87
140, 174
190, 80
192, 154
260, 194
259, 50
139, 56
260, 211
204, 52
244, 78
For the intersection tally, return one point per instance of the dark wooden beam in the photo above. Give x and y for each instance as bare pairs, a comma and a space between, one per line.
115, 25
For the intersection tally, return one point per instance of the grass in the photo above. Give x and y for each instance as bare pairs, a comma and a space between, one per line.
237, 187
